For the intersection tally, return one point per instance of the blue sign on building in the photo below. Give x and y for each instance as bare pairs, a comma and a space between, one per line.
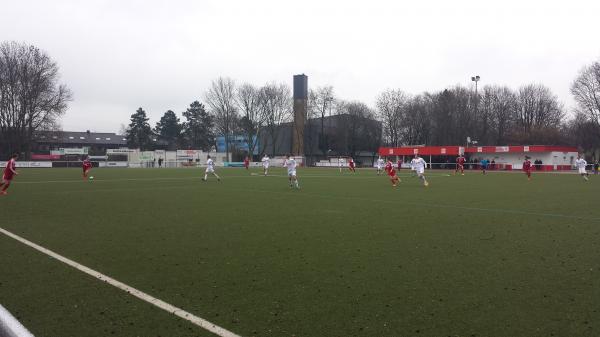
237, 142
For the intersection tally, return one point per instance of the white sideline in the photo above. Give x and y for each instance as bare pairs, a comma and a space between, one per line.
217, 330
10, 326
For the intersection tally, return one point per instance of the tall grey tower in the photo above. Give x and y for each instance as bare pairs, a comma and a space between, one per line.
300, 113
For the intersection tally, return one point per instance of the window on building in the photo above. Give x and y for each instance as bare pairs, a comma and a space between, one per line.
107, 138
97, 138
70, 137
81, 137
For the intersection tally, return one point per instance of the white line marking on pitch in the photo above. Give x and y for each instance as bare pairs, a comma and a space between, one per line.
201, 322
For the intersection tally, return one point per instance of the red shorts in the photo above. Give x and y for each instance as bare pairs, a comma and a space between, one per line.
6, 178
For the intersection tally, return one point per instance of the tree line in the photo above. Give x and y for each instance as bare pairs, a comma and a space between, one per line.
33, 99
258, 113
494, 115
497, 115
231, 110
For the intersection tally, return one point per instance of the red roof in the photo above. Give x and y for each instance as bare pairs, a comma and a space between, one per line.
454, 150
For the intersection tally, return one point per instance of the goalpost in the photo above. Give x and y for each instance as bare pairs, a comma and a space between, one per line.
278, 161
338, 162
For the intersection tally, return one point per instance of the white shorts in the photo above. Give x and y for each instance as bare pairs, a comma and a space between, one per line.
379, 167
265, 166
582, 170
291, 173
420, 170
210, 170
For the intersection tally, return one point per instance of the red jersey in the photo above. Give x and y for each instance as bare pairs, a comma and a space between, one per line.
389, 168
460, 161
11, 167
351, 163
527, 165
246, 162
399, 164
87, 164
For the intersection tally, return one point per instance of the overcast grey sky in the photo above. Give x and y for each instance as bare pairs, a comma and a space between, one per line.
119, 55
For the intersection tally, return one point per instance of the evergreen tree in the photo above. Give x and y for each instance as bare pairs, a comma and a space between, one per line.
169, 129
198, 127
139, 133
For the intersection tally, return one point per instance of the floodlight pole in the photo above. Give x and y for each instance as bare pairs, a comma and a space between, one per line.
475, 79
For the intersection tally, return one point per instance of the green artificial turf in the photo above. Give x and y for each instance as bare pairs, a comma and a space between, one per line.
347, 255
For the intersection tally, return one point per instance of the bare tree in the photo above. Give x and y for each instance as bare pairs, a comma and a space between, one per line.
221, 100
583, 132
391, 105
498, 104
586, 91
276, 103
248, 98
537, 108
31, 98
321, 102
415, 122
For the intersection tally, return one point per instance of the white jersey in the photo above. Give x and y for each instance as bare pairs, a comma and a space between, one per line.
290, 164
581, 164
379, 163
420, 165
266, 161
412, 164
210, 165
340, 162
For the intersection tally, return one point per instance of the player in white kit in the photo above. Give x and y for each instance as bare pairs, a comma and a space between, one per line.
340, 163
420, 165
380, 164
413, 166
265, 162
290, 164
210, 168
581, 164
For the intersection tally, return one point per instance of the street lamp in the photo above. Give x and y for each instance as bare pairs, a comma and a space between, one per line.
475, 79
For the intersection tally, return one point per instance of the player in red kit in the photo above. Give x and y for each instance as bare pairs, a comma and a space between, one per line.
246, 162
527, 167
460, 165
399, 164
87, 166
389, 168
10, 171
351, 165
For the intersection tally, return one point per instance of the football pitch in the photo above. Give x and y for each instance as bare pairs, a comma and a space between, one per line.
346, 255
